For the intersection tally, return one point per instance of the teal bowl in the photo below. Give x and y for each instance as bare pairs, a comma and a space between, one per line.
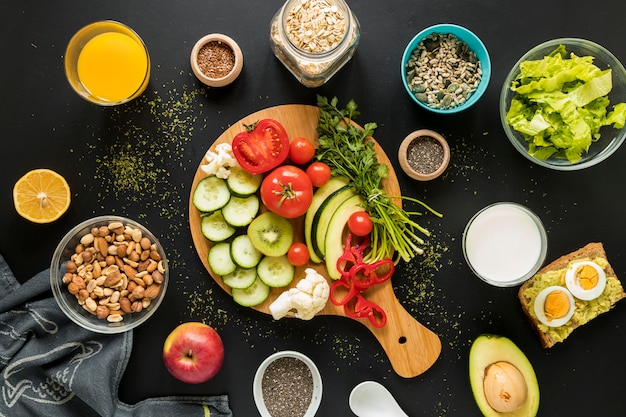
474, 44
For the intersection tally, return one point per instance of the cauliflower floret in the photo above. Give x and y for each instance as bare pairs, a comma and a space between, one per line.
219, 161
305, 300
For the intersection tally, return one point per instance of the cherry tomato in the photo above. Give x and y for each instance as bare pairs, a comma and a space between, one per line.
298, 254
301, 150
360, 223
319, 173
263, 146
287, 191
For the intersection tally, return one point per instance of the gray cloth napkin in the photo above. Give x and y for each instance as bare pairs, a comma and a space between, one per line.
52, 367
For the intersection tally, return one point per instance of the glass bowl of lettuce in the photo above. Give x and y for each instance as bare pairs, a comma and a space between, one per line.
563, 104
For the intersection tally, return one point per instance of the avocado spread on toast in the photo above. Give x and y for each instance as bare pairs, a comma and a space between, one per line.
585, 310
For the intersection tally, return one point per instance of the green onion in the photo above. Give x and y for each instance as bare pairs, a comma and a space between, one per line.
349, 151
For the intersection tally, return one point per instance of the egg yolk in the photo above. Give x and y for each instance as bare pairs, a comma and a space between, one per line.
556, 305
587, 277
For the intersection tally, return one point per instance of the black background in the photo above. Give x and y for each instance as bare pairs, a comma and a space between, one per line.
169, 128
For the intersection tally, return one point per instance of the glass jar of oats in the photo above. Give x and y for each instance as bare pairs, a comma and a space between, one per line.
314, 38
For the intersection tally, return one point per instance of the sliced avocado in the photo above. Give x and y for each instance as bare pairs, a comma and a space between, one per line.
321, 220
488, 350
331, 186
334, 243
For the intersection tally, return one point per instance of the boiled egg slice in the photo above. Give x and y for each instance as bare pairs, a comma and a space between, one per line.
585, 279
554, 306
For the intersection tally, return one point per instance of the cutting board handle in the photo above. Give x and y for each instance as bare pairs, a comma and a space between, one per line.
410, 346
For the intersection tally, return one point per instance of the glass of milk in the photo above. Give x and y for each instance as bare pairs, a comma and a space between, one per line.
504, 244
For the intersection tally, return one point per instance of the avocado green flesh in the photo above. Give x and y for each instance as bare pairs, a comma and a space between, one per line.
319, 197
323, 216
334, 243
488, 349
585, 310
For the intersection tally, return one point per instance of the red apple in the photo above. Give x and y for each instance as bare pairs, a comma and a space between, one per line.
193, 352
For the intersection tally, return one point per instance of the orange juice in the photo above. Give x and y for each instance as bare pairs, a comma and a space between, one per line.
107, 63
112, 66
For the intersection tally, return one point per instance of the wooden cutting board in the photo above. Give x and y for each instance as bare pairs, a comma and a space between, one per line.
410, 347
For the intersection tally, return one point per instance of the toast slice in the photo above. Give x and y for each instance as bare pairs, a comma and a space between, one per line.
554, 274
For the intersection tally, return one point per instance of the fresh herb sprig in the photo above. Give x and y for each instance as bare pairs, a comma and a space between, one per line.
349, 151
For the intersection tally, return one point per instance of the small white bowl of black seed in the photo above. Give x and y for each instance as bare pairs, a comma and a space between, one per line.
446, 68
424, 155
287, 384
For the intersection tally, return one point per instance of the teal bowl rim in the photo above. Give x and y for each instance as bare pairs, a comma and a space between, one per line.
472, 41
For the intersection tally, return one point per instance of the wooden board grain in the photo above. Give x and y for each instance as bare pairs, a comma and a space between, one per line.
410, 347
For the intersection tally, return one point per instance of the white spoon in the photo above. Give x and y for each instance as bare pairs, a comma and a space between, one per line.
371, 399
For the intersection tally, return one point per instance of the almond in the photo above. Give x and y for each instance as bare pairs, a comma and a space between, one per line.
152, 291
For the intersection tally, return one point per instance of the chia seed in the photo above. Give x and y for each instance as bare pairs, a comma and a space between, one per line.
287, 387
425, 155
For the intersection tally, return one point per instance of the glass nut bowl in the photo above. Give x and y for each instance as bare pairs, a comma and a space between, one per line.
109, 274
289, 394
445, 68
505, 244
424, 155
216, 60
610, 138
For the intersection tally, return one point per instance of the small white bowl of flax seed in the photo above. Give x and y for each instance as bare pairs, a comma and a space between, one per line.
424, 155
216, 60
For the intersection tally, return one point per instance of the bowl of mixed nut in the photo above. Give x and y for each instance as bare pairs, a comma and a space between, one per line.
446, 68
109, 274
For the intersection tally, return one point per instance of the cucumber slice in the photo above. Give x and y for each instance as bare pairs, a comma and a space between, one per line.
215, 228
243, 183
240, 278
211, 194
243, 252
275, 271
219, 259
240, 211
252, 296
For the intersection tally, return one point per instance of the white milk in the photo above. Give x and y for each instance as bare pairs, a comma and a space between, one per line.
503, 243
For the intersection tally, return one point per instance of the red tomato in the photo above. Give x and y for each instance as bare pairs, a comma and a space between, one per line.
301, 151
263, 146
298, 254
360, 223
319, 173
287, 191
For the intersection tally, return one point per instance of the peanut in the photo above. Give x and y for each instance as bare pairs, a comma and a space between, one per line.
114, 270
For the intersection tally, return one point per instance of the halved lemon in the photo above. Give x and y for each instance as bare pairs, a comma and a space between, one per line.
41, 196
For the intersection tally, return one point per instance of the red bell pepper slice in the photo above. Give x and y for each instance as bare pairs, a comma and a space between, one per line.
364, 308
356, 277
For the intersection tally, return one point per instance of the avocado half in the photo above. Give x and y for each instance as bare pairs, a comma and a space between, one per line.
489, 349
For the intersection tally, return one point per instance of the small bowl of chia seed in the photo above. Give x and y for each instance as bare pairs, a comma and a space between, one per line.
424, 155
287, 384
445, 68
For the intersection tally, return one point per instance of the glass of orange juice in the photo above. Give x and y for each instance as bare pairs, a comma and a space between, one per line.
107, 63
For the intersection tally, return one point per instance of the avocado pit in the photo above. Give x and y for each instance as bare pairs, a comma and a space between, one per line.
505, 387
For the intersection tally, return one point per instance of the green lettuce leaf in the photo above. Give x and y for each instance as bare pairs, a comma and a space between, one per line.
561, 104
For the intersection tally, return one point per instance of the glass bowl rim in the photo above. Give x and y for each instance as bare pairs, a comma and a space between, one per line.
58, 288
602, 155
